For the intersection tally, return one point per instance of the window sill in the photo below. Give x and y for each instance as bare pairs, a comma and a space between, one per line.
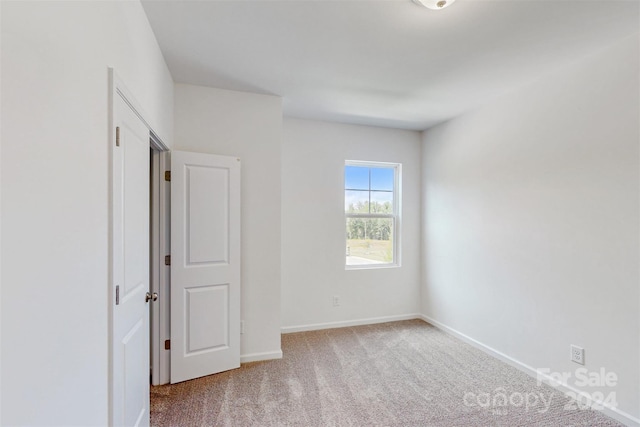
370, 266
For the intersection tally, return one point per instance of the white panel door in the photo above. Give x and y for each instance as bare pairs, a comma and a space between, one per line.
130, 240
205, 264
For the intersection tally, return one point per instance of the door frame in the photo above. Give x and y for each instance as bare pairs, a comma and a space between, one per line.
117, 88
160, 274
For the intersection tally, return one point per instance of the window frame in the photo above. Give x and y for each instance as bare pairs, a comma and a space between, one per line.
395, 216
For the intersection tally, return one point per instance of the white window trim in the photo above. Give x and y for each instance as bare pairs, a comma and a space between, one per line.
397, 209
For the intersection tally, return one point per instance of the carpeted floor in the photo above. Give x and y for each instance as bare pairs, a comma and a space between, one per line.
394, 374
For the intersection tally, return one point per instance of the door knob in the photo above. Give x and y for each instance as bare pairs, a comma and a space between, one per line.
149, 297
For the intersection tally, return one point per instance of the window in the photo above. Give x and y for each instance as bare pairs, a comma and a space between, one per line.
372, 205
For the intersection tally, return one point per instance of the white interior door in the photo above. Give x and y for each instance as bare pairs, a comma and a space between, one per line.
130, 243
205, 264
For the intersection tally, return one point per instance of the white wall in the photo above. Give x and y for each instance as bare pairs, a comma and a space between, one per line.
531, 221
55, 123
249, 126
313, 226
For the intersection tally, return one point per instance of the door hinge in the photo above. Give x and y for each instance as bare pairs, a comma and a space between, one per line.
167, 176
167, 344
167, 260
117, 294
117, 136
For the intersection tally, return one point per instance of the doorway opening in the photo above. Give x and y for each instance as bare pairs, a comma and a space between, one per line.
159, 264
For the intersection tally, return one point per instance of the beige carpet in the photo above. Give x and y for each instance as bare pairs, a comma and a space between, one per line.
393, 374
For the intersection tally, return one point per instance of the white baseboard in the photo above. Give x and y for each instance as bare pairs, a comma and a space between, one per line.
615, 413
259, 357
346, 323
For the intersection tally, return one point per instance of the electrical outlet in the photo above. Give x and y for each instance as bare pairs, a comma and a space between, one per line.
336, 300
577, 354
242, 327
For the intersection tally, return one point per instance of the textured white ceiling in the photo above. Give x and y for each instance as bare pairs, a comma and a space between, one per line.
386, 63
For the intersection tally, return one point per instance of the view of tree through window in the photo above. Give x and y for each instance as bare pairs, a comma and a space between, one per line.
370, 210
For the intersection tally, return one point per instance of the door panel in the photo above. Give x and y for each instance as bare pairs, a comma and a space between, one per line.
130, 241
207, 221
205, 270
207, 312
135, 392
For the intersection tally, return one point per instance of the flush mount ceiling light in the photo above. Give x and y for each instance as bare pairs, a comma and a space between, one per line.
434, 4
